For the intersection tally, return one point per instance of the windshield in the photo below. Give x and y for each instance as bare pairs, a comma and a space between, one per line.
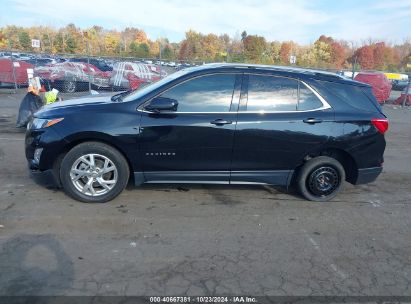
147, 89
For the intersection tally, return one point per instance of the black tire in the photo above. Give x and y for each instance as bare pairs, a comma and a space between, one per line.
69, 86
321, 178
120, 174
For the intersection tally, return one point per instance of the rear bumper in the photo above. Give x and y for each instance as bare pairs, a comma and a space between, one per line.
368, 175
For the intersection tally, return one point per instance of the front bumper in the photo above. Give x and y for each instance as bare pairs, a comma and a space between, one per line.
368, 175
45, 178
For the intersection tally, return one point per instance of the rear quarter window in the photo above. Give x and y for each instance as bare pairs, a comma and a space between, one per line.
358, 97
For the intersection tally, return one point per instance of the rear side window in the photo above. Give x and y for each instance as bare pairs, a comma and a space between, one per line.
280, 94
266, 93
356, 96
307, 100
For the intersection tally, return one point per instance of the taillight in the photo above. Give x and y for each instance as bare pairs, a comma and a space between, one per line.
381, 124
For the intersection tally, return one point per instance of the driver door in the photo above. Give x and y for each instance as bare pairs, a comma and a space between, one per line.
193, 142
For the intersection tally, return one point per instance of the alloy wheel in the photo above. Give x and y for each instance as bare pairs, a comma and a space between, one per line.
94, 174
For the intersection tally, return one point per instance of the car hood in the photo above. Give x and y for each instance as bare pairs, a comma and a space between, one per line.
97, 99
72, 106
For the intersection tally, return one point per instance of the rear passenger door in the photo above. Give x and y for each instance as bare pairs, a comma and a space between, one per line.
280, 120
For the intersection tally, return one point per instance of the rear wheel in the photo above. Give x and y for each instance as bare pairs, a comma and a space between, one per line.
321, 178
94, 172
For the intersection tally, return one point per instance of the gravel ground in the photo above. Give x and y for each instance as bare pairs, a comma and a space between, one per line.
206, 240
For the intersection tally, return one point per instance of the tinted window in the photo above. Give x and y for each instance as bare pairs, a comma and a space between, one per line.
210, 93
307, 99
358, 97
266, 93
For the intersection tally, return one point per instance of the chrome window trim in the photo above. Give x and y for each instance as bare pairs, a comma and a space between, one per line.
325, 104
141, 107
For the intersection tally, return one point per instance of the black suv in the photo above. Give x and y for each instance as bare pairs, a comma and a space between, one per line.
219, 124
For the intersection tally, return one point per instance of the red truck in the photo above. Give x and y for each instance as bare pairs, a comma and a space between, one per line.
381, 86
19, 76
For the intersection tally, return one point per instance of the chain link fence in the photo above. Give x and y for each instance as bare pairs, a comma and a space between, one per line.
80, 75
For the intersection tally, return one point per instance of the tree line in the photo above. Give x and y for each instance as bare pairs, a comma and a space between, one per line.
325, 52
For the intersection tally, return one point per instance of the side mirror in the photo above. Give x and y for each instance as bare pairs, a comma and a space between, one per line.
159, 104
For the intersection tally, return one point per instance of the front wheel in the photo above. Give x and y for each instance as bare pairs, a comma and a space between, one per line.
321, 178
69, 86
94, 172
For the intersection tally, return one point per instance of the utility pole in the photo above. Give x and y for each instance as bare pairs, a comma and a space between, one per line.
407, 91
354, 62
88, 59
13, 67
353, 67
159, 42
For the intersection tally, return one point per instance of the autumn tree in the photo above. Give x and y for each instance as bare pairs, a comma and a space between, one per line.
11, 32
210, 47
338, 54
191, 46
322, 52
25, 41
3, 40
254, 48
325, 52
365, 57
112, 43
154, 48
186, 51
167, 52
285, 52
141, 50
378, 55
140, 37
306, 56
71, 44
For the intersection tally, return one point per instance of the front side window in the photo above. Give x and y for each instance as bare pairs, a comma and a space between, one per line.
211, 93
267, 93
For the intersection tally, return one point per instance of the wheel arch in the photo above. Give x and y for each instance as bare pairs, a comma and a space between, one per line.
90, 137
347, 161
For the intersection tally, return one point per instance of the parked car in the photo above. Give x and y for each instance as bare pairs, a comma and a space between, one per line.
181, 66
399, 85
131, 75
12, 72
72, 76
101, 64
218, 123
41, 61
404, 98
381, 86
5, 55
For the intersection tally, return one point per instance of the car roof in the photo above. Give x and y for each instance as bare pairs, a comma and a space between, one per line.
295, 71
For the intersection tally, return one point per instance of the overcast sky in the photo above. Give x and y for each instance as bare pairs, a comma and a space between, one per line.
299, 20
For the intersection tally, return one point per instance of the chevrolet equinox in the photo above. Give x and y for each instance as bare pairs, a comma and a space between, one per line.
218, 124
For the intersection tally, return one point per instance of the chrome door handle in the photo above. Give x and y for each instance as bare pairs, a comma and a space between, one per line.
220, 122
312, 120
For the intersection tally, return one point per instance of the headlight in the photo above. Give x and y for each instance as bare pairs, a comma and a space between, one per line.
39, 123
